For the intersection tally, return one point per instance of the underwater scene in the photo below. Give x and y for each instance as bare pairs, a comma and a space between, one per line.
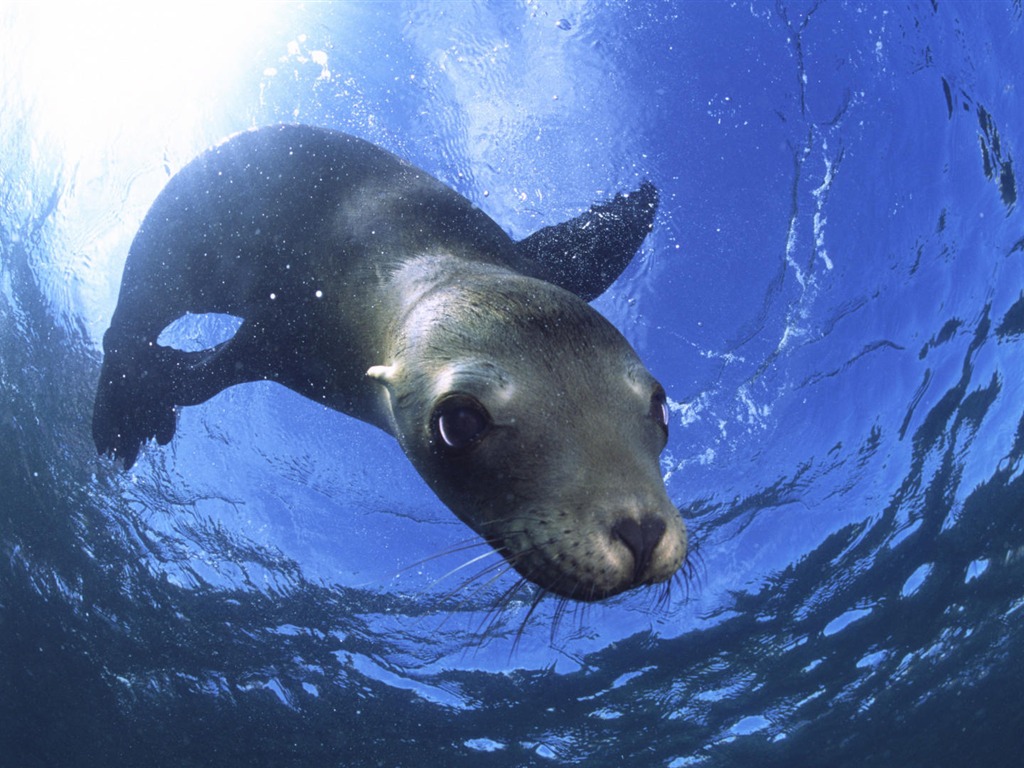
831, 295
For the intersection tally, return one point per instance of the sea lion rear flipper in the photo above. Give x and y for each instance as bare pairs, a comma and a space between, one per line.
585, 255
132, 402
141, 385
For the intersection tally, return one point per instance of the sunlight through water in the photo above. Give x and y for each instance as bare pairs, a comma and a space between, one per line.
95, 70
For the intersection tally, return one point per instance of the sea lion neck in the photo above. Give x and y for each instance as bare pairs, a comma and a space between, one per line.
420, 275
421, 289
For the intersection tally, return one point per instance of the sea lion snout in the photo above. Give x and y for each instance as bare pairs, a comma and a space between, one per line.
641, 539
644, 547
590, 553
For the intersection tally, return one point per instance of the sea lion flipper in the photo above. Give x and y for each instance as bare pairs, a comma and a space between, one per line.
586, 254
132, 404
141, 385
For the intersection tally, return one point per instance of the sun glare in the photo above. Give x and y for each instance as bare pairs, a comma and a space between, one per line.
93, 67
109, 99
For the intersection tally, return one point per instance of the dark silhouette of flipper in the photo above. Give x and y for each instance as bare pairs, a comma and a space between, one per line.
587, 254
133, 399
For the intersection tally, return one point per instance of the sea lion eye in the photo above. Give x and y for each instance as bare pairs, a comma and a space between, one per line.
659, 408
459, 423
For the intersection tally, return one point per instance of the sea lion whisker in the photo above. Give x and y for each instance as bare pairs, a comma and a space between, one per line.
500, 604
462, 546
490, 617
494, 572
501, 567
693, 570
665, 597
579, 612
561, 608
533, 517
541, 594
686, 578
471, 561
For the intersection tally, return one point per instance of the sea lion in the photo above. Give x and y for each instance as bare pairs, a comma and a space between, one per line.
365, 284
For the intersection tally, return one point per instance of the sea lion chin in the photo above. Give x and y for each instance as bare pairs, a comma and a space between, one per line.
365, 284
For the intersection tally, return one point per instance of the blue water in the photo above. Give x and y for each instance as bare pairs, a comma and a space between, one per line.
833, 296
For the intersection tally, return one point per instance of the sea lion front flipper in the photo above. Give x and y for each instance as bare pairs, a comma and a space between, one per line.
586, 255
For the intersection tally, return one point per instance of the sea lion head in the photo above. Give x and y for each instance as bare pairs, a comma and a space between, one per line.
534, 420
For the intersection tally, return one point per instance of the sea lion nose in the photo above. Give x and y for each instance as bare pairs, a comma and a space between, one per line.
640, 539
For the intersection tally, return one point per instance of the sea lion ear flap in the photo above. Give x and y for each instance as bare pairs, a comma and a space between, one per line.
385, 374
585, 255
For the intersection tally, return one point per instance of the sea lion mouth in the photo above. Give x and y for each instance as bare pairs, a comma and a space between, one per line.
630, 554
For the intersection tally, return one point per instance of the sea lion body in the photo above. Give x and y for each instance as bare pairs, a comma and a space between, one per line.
365, 284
